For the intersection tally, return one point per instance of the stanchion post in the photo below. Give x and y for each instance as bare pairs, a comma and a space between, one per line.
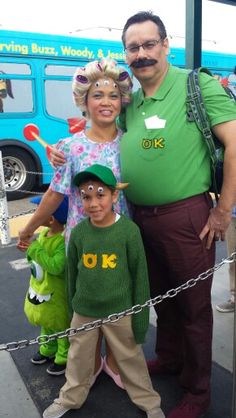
234, 358
4, 221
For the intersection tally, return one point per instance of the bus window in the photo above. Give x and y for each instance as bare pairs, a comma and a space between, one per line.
136, 83
14, 68
59, 100
58, 91
60, 70
18, 97
15, 104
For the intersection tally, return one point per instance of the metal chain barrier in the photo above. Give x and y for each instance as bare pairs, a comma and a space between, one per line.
24, 191
26, 212
5, 237
89, 326
35, 172
29, 172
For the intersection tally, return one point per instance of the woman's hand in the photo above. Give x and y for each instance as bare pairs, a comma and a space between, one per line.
24, 239
23, 245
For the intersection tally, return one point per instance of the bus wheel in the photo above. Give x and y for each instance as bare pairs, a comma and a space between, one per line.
16, 165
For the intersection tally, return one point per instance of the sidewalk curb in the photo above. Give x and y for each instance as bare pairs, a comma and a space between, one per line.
15, 399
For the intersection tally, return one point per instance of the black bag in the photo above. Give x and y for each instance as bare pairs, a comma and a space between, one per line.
196, 111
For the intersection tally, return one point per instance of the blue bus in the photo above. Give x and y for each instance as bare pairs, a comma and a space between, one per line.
35, 88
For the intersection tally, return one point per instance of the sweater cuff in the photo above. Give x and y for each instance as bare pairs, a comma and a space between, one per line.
140, 337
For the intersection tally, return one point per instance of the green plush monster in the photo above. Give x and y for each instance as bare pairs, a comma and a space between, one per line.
46, 301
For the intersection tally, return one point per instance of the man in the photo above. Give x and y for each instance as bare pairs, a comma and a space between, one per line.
169, 180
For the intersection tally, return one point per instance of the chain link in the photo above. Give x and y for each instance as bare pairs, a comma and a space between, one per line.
22, 191
20, 214
35, 172
89, 326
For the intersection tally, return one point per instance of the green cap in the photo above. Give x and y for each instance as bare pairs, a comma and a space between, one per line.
102, 173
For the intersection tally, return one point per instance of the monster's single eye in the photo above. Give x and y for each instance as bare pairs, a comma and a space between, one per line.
100, 189
36, 271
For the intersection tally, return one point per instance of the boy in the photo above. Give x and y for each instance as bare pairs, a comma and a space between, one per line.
45, 302
107, 273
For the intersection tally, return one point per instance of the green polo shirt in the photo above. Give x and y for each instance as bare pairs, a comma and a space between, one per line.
165, 159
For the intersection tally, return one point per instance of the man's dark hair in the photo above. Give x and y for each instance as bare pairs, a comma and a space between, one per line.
141, 17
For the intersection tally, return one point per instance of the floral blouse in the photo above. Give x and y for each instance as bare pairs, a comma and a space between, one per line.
81, 152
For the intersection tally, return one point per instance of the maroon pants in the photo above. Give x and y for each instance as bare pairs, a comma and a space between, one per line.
175, 254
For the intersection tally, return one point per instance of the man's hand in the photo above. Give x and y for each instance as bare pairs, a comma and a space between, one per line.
216, 226
57, 158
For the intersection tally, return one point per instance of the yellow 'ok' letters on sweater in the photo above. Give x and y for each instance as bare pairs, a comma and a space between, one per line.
90, 261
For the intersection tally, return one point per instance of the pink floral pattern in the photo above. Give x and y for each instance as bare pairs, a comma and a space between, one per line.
80, 153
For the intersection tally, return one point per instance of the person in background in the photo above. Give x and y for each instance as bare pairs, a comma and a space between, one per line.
232, 81
229, 305
106, 273
100, 89
46, 302
165, 160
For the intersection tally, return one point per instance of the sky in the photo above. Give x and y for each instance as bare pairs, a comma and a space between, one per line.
105, 18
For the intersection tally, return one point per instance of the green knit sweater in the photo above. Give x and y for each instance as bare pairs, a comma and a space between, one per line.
107, 272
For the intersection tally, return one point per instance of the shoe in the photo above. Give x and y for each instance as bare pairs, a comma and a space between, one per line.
56, 369
226, 306
94, 378
156, 367
155, 413
55, 410
40, 358
187, 410
116, 377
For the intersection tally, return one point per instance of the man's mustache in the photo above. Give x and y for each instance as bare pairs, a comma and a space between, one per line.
145, 62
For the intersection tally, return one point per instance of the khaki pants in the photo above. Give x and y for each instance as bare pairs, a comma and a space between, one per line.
231, 245
128, 355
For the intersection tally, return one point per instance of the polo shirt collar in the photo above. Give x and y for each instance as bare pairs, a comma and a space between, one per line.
162, 91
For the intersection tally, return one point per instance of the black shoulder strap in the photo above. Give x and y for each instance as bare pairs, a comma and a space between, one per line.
230, 93
196, 111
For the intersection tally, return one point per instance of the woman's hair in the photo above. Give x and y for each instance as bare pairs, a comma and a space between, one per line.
84, 77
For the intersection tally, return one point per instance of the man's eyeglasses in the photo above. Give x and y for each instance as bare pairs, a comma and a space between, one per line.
148, 45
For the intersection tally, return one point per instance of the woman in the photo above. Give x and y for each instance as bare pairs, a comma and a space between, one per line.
99, 90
